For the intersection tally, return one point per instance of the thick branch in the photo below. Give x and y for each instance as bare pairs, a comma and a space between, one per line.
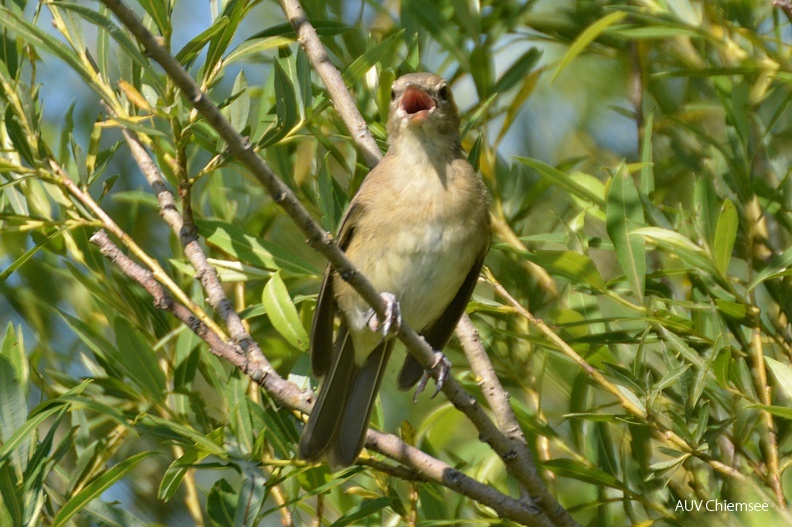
498, 400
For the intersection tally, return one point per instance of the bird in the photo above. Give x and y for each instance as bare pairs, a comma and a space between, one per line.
419, 229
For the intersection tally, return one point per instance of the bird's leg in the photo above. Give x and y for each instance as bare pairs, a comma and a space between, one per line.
439, 372
391, 322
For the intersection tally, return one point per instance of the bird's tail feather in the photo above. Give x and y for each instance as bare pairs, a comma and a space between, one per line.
337, 426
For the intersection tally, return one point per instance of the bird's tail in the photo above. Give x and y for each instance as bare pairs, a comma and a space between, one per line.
336, 429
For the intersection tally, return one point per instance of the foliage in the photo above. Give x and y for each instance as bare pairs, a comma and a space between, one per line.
637, 153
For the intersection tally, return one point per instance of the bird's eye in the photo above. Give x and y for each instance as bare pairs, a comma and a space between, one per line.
393, 94
443, 92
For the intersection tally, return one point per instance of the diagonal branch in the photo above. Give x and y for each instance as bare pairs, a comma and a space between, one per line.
339, 94
498, 400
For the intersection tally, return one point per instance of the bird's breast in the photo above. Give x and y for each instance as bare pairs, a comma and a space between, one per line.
423, 243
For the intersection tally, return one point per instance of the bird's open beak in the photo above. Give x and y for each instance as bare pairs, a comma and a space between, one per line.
416, 103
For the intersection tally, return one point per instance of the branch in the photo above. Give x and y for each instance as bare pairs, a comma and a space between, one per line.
195, 254
498, 400
339, 94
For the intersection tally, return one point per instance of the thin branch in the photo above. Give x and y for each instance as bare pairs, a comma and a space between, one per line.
339, 94
317, 238
637, 412
157, 271
785, 6
188, 237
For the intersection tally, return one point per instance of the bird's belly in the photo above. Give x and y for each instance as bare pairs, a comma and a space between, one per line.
424, 268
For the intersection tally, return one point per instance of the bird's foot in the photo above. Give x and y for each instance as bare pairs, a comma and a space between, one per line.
439, 372
390, 325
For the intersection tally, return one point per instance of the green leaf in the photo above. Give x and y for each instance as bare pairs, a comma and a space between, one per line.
13, 349
624, 215
138, 359
282, 313
430, 17
176, 471
780, 411
233, 12
778, 266
725, 236
15, 21
569, 264
587, 37
97, 487
27, 255
160, 13
564, 180
285, 107
252, 494
221, 504
646, 178
18, 137
27, 430
518, 71
680, 246
13, 408
11, 492
256, 45
364, 510
783, 374
355, 71
569, 468
179, 432
192, 49
110, 515
252, 249
238, 110
670, 378
127, 44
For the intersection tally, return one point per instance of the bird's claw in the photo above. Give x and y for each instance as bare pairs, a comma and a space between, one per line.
439, 372
391, 323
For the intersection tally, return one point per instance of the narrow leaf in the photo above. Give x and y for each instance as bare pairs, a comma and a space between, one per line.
97, 487
625, 214
587, 37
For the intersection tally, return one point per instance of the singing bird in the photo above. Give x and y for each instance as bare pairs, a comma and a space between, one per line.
419, 230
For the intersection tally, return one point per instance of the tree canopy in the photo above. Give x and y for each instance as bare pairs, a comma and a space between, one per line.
171, 174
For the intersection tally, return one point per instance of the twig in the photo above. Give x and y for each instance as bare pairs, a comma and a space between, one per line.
785, 6
339, 94
157, 271
319, 240
627, 404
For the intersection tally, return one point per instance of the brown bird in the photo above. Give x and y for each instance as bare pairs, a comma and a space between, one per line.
419, 230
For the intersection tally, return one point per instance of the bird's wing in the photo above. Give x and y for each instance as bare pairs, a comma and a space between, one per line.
322, 327
439, 332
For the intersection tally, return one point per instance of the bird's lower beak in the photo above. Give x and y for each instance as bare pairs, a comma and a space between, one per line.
416, 103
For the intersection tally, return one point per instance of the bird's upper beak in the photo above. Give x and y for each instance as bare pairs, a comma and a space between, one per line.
416, 103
